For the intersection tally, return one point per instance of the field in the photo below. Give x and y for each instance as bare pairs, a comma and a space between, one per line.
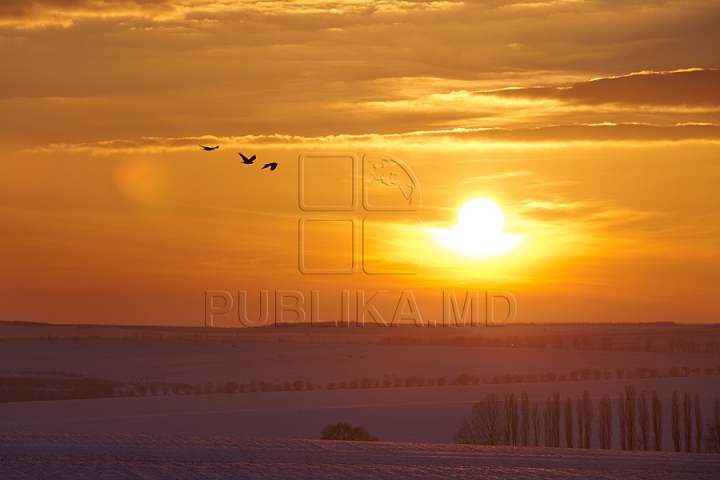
153, 456
68, 386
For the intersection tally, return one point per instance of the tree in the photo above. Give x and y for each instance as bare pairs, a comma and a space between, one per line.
534, 407
630, 415
657, 420
712, 439
485, 424
622, 419
687, 421
551, 417
525, 419
569, 423
345, 431
581, 424
698, 424
675, 420
511, 419
584, 419
605, 422
643, 420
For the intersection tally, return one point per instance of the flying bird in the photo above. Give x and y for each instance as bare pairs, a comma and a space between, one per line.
272, 165
209, 149
247, 161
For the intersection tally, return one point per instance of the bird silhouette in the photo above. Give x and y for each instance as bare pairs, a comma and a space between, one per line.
246, 160
272, 165
209, 149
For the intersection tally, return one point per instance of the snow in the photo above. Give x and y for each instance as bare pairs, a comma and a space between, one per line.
108, 456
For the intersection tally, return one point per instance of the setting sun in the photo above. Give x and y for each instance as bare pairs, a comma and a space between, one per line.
479, 231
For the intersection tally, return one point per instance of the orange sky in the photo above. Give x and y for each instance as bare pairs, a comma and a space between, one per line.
594, 125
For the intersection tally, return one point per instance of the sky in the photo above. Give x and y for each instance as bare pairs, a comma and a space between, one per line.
593, 125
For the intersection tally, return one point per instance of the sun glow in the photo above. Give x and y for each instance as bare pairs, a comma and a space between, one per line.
479, 231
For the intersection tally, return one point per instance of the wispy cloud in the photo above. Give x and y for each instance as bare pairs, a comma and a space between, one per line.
461, 138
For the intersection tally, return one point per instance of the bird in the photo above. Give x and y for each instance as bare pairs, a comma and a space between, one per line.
209, 149
272, 165
247, 161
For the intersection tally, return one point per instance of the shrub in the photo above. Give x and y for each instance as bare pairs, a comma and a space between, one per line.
345, 431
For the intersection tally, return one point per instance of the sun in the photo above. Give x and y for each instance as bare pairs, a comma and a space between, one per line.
479, 231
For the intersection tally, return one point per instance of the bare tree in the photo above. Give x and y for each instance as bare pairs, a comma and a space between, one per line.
630, 415
485, 425
712, 439
687, 421
643, 420
587, 418
698, 424
511, 419
622, 418
581, 424
569, 423
525, 419
657, 420
552, 421
534, 407
605, 422
675, 420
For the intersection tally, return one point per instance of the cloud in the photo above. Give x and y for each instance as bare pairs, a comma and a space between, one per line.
131, 68
455, 138
66, 13
692, 87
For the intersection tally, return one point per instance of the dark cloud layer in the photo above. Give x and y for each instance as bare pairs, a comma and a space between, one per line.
84, 71
695, 88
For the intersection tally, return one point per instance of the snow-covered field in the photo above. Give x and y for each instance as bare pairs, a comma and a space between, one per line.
419, 414
268, 434
107, 456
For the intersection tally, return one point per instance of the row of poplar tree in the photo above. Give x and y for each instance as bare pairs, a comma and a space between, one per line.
514, 420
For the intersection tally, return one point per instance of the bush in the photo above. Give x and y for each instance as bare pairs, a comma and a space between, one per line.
345, 431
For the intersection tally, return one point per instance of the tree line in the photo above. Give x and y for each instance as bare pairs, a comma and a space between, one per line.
518, 421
